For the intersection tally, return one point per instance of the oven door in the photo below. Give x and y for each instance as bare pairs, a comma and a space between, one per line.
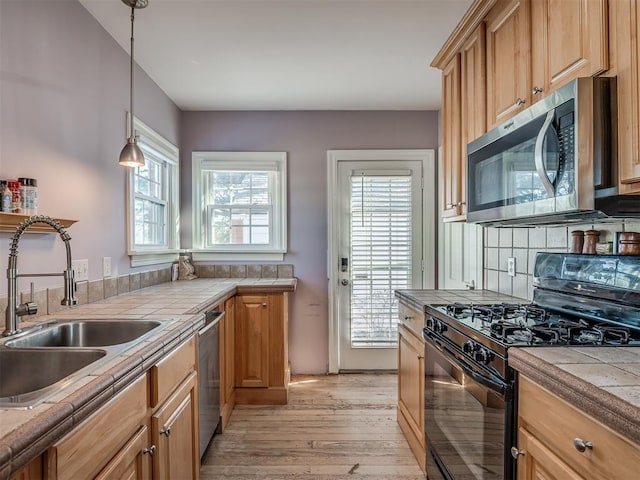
467, 414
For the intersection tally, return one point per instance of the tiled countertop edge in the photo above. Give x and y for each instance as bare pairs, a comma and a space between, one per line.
596, 402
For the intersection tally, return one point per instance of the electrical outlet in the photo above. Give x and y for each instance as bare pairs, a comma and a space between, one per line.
511, 266
80, 270
106, 266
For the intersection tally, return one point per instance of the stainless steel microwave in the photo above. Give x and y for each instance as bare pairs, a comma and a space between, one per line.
552, 163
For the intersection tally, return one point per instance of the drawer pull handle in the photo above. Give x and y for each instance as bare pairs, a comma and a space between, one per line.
407, 317
165, 431
536, 90
581, 445
515, 453
420, 357
520, 102
151, 450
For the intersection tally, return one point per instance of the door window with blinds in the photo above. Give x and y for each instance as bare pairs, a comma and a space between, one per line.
239, 202
381, 253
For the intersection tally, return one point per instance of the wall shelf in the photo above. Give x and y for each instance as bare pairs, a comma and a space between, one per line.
10, 221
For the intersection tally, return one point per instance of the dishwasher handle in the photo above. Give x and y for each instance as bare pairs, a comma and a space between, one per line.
211, 319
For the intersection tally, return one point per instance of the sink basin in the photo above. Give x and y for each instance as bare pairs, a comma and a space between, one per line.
27, 375
86, 333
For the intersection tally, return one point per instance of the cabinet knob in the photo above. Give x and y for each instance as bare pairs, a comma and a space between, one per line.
515, 453
165, 431
536, 90
520, 102
151, 450
459, 204
420, 357
408, 317
264, 304
582, 445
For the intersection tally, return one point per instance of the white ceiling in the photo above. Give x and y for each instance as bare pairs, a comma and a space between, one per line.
289, 54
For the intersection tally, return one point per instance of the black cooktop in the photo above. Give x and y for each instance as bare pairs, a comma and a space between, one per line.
531, 324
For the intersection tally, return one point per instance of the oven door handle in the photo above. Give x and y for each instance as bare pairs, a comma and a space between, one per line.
490, 383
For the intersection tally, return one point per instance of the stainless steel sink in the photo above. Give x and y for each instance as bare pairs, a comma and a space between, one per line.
27, 375
85, 333
37, 363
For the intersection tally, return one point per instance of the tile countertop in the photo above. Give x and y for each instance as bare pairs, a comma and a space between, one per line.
26, 433
603, 382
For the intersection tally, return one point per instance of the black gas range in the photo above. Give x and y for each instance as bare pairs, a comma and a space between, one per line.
470, 413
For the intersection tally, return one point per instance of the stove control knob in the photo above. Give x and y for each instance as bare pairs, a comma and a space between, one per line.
439, 327
431, 323
470, 346
482, 355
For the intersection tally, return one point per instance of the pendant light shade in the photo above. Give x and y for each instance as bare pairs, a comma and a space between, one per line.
131, 155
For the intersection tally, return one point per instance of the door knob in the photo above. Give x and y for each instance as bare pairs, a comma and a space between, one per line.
344, 282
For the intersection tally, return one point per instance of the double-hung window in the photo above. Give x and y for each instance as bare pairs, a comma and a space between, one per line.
153, 210
239, 205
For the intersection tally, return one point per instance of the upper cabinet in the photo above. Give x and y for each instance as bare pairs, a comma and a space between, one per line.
451, 125
627, 20
569, 40
508, 60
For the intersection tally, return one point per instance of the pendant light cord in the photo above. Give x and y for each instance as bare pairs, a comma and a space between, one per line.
133, 9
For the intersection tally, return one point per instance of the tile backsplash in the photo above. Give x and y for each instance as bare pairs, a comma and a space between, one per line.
523, 244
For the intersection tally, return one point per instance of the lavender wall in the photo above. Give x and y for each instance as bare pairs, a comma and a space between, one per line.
306, 136
64, 93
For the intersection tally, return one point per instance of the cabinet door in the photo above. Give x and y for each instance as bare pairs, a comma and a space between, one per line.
540, 463
174, 431
252, 341
33, 471
569, 40
508, 60
451, 154
628, 51
132, 461
473, 102
411, 381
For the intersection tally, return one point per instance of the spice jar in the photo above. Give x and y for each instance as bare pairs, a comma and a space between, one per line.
577, 241
5, 196
629, 243
16, 196
590, 239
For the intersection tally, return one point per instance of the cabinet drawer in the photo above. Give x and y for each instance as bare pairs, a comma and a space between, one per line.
85, 451
167, 374
411, 318
556, 424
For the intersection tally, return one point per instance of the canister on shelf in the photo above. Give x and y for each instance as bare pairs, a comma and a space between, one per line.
5, 197
629, 243
29, 195
16, 196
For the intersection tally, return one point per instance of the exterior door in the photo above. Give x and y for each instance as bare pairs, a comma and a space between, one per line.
380, 250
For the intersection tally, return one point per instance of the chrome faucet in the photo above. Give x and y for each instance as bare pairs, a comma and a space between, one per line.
16, 309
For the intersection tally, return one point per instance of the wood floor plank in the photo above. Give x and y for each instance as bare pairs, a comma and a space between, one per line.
334, 427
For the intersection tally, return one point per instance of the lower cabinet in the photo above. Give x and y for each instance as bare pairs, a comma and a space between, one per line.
261, 349
227, 362
147, 431
411, 371
557, 441
174, 428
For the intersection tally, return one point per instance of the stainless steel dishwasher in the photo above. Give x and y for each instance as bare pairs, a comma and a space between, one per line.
209, 377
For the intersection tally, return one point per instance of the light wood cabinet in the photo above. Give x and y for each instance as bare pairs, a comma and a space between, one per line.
132, 461
101, 439
569, 40
627, 17
261, 348
227, 362
558, 441
451, 141
175, 434
33, 471
508, 60
411, 371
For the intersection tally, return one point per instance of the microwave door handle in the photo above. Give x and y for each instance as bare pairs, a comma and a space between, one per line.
539, 161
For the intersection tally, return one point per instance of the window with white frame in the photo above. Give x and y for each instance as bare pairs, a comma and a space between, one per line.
153, 210
239, 205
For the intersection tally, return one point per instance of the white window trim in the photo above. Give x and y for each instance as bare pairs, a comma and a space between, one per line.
141, 256
241, 252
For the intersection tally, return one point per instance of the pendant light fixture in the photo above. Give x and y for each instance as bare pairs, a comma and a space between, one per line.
131, 155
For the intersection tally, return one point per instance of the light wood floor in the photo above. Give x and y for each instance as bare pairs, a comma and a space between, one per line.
338, 426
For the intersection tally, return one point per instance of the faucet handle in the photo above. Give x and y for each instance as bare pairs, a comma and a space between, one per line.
30, 307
